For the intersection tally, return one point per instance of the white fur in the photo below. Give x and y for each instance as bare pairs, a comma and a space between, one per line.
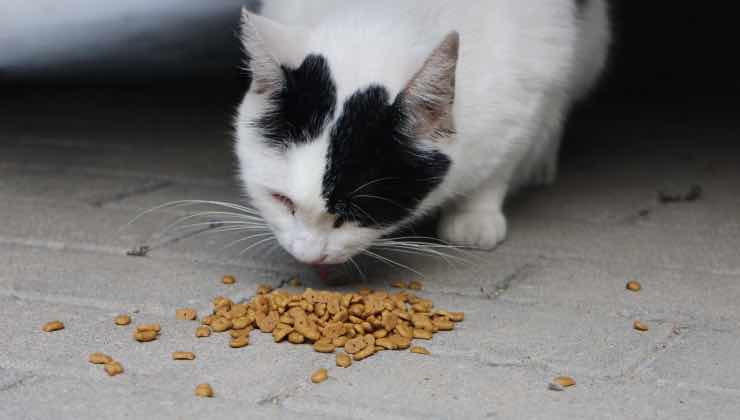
522, 64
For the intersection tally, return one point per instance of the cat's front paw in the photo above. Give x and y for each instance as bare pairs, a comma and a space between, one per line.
482, 230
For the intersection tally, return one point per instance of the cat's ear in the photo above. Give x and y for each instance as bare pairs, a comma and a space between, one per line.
429, 95
268, 45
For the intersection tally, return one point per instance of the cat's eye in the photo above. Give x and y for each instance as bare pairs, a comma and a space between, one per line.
287, 202
339, 222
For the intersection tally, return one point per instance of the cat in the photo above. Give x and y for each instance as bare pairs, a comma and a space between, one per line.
362, 117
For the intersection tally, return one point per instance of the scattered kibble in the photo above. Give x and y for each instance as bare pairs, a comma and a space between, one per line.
113, 368
149, 327
319, 376
228, 279
99, 358
183, 355
561, 382
122, 320
419, 350
53, 326
186, 314
343, 360
639, 326
202, 331
204, 390
239, 342
145, 335
634, 286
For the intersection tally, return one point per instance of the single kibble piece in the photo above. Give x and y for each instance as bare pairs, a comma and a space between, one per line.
561, 382
202, 331
183, 355
204, 390
263, 289
634, 286
322, 346
343, 360
145, 336
186, 314
457, 316
99, 358
296, 338
148, 327
415, 285
319, 376
228, 279
113, 368
423, 334
221, 324
53, 326
239, 342
419, 350
122, 320
398, 285
639, 326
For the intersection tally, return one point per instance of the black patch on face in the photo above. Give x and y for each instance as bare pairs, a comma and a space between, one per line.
302, 107
375, 174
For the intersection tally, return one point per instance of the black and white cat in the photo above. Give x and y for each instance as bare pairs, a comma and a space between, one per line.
362, 116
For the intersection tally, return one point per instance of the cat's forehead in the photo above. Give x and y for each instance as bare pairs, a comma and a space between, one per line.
372, 171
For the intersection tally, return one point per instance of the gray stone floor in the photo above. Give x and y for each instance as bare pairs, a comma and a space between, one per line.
76, 166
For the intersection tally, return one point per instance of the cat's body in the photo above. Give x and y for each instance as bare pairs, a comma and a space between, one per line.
458, 121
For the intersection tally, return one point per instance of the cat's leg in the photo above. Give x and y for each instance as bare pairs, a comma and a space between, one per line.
476, 221
540, 166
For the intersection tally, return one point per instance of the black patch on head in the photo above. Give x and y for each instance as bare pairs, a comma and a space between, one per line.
302, 107
375, 174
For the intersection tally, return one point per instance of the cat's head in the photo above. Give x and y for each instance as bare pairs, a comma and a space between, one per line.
333, 172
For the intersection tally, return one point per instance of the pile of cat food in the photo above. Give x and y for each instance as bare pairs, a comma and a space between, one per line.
361, 324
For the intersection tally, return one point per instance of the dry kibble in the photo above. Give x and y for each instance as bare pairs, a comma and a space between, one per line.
204, 390
239, 342
241, 322
319, 376
228, 279
561, 382
415, 285
149, 327
398, 284
186, 314
202, 331
634, 286
343, 360
145, 335
354, 345
263, 289
113, 368
281, 331
364, 353
457, 316
53, 326
220, 324
423, 334
419, 350
322, 346
296, 338
99, 358
183, 355
122, 320
639, 326
240, 333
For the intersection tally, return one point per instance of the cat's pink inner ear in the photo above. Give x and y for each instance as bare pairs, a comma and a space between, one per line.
430, 94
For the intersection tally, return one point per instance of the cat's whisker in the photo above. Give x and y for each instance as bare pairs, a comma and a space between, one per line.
240, 240
375, 181
365, 213
185, 203
272, 238
357, 266
391, 262
383, 199
217, 223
